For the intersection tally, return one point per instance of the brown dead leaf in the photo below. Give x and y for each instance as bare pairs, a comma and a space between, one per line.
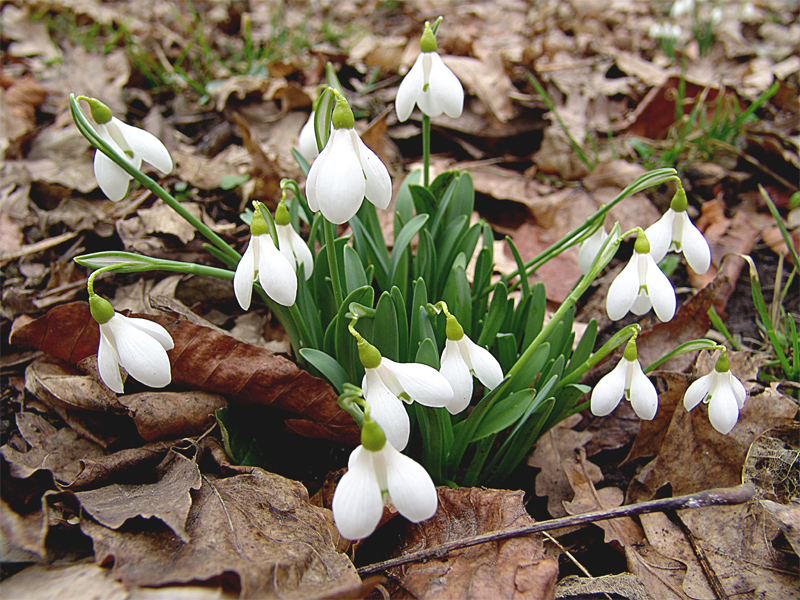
66, 581
256, 526
652, 433
166, 415
11, 239
265, 171
23, 535
514, 568
487, 80
97, 471
161, 218
168, 500
552, 448
210, 361
59, 451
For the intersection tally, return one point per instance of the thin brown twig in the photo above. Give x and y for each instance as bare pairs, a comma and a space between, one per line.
715, 497
705, 564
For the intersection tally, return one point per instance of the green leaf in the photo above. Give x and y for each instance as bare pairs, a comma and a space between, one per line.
403, 240
384, 328
441, 183
418, 301
427, 354
354, 274
424, 202
495, 316
402, 323
327, 365
463, 202
504, 413
531, 370
506, 350
346, 349
584, 348
457, 295
404, 203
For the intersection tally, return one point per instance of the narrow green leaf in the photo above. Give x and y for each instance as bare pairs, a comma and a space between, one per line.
327, 365
404, 203
504, 413
384, 328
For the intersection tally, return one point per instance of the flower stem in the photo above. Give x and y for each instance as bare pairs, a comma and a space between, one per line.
333, 263
426, 148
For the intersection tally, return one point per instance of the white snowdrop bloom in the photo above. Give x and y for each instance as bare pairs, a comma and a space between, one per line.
716, 15
307, 143
461, 359
430, 84
681, 7
263, 260
640, 286
656, 31
138, 345
346, 171
589, 249
675, 231
724, 394
626, 379
134, 144
290, 244
375, 468
387, 384
672, 31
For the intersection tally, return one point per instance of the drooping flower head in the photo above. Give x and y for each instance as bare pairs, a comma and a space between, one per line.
307, 142
626, 379
675, 231
388, 384
138, 345
376, 468
461, 359
291, 245
724, 394
264, 261
134, 144
346, 171
590, 248
640, 286
430, 84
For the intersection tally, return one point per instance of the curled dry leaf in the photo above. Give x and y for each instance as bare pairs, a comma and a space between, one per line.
207, 360
256, 526
165, 415
512, 568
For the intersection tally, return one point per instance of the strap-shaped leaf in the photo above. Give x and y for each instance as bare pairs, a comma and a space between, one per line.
404, 203
402, 241
495, 315
327, 365
384, 328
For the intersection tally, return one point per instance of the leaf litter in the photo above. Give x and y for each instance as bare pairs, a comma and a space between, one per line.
609, 84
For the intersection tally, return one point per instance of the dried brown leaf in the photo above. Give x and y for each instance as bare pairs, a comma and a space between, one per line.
256, 526
65, 581
513, 568
168, 500
165, 415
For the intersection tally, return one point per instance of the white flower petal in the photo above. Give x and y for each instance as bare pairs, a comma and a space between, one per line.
108, 361
695, 246
644, 398
358, 502
386, 409
609, 391
454, 368
723, 410
142, 356
146, 146
623, 290
447, 94
275, 273
589, 249
307, 143
294, 248
697, 392
410, 487
245, 275
738, 390
311, 181
338, 183
152, 329
485, 366
642, 304
409, 90
659, 234
378, 184
113, 181
660, 291
422, 383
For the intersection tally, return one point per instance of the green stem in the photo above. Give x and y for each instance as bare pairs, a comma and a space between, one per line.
426, 148
333, 263
88, 131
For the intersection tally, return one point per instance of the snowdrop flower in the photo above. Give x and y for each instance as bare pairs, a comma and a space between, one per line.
132, 143
138, 345
681, 7
375, 468
308, 140
430, 84
626, 379
346, 171
656, 31
640, 286
724, 394
262, 259
589, 249
291, 245
386, 383
716, 15
461, 359
675, 231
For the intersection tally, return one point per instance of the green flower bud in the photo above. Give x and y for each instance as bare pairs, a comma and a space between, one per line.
427, 42
679, 202
342, 115
258, 226
282, 214
453, 329
370, 356
100, 112
101, 309
722, 365
642, 245
372, 436
630, 350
